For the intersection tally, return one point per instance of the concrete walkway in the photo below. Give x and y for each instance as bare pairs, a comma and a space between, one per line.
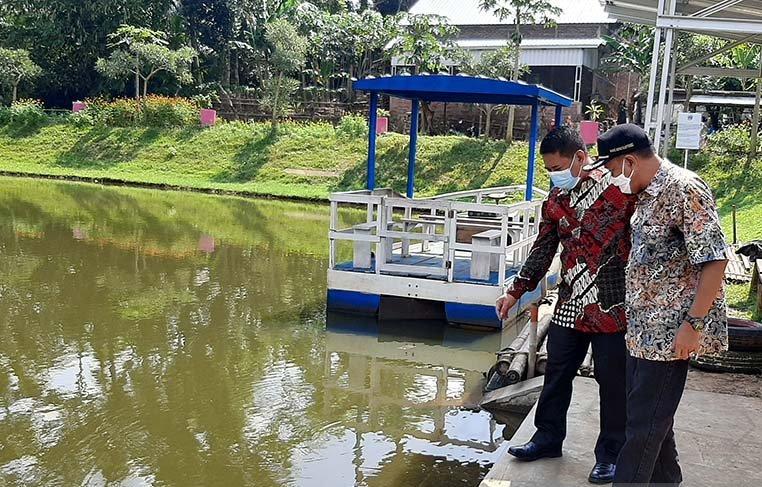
719, 438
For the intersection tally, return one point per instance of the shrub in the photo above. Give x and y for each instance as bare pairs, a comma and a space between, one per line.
5, 116
151, 111
352, 126
163, 111
28, 113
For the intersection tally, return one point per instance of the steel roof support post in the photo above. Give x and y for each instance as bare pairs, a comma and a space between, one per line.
668, 54
654, 70
533, 136
559, 115
755, 115
670, 104
372, 120
414, 111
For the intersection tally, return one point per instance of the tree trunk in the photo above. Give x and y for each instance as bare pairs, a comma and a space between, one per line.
145, 86
15, 92
137, 77
515, 77
276, 102
225, 68
235, 79
488, 121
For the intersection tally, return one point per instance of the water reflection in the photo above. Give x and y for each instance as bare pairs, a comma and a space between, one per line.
154, 338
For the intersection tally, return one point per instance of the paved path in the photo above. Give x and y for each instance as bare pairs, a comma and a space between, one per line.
719, 438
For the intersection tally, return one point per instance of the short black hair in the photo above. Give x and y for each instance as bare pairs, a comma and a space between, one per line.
563, 140
646, 153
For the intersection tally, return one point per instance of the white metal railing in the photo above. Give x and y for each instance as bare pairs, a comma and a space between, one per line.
478, 195
393, 223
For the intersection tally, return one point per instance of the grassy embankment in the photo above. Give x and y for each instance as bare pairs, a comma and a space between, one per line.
310, 160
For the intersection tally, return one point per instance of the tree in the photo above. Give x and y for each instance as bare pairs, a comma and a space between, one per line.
428, 43
289, 51
520, 12
143, 53
494, 64
16, 66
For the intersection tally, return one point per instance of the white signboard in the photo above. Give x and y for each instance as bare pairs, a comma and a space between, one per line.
689, 131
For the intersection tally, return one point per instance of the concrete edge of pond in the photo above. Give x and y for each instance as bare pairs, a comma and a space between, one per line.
111, 181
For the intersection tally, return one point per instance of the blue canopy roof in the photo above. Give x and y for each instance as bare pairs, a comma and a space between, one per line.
462, 89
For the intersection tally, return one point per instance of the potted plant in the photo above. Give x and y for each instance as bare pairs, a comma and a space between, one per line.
207, 115
382, 121
589, 129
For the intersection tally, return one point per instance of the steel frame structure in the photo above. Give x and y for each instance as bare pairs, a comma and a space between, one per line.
738, 21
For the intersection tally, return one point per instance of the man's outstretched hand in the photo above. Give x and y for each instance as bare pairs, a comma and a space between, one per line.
503, 305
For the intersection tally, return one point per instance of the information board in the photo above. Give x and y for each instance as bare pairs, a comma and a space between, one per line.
689, 131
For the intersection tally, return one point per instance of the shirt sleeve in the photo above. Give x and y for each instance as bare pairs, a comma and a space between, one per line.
540, 256
704, 238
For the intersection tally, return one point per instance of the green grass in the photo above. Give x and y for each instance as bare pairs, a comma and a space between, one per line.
741, 302
251, 159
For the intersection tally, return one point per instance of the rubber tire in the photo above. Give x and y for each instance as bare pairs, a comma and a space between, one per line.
744, 335
737, 362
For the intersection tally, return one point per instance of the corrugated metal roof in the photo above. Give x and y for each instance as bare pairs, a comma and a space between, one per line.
467, 12
532, 43
744, 101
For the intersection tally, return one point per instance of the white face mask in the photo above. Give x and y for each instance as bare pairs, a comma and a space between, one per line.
624, 183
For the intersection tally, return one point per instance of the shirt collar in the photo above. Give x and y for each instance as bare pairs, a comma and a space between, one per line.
659, 180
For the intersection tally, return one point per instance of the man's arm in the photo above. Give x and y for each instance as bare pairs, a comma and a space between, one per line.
536, 265
705, 242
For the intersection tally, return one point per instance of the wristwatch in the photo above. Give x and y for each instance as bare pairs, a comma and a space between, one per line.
696, 323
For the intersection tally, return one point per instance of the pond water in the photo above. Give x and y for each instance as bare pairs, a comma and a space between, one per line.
163, 338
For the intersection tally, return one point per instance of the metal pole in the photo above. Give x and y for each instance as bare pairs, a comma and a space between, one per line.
654, 69
414, 111
372, 120
685, 162
670, 105
532, 358
559, 116
532, 152
755, 116
663, 82
735, 233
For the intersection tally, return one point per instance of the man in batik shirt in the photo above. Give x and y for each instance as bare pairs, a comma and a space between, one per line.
675, 302
589, 219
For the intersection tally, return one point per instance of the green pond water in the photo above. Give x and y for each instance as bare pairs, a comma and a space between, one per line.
163, 338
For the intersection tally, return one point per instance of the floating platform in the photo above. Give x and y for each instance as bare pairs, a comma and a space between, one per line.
437, 258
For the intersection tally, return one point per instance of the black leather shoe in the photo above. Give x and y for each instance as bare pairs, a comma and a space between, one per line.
532, 451
602, 473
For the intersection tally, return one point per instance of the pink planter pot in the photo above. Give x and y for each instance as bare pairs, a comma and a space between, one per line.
78, 106
208, 117
382, 125
589, 131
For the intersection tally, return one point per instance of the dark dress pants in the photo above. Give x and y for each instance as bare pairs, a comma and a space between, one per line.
649, 455
566, 352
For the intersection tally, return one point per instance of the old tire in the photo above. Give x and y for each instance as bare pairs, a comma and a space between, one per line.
744, 335
737, 362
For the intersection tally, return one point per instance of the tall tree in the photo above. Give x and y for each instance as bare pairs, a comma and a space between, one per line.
494, 64
143, 53
289, 50
520, 12
16, 66
428, 43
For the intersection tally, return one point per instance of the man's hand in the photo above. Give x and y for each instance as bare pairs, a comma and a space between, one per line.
687, 341
503, 305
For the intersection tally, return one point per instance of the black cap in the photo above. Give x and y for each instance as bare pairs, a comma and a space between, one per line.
620, 140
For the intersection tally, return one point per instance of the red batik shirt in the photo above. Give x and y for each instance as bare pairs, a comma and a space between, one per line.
592, 224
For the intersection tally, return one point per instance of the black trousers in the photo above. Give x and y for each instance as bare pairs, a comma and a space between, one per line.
649, 454
566, 352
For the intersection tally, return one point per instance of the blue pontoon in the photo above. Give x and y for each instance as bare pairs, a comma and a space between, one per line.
454, 253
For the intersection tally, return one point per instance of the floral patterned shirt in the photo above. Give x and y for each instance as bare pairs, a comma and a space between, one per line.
675, 230
591, 223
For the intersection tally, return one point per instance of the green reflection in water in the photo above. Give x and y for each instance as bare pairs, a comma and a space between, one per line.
160, 338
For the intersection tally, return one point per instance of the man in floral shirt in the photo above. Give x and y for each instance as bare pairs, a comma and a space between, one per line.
675, 300
589, 219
